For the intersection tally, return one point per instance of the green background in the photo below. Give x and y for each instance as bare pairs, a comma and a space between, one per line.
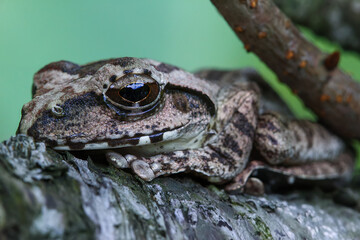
189, 34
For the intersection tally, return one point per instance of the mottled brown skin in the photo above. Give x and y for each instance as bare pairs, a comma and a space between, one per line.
207, 127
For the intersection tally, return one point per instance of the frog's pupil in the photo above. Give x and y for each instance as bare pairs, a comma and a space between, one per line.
134, 92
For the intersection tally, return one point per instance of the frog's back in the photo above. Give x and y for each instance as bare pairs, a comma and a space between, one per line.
250, 79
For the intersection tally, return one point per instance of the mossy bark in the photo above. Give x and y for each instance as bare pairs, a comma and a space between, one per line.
46, 195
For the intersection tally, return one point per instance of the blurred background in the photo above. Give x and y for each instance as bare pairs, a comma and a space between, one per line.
188, 34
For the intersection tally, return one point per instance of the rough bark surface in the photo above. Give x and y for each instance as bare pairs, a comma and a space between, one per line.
337, 20
45, 195
311, 74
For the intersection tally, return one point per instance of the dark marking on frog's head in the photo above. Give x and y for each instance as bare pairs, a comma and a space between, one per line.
127, 71
211, 74
156, 137
147, 72
166, 68
62, 66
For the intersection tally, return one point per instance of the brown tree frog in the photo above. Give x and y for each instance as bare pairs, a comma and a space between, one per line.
158, 120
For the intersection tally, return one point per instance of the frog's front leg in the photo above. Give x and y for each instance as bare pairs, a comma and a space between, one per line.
222, 156
206, 162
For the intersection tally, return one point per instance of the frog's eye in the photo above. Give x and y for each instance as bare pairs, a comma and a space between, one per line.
134, 92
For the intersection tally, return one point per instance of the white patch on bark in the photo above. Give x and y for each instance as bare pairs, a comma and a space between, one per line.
50, 222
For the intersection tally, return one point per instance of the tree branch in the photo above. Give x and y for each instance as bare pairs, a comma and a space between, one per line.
311, 74
338, 20
45, 195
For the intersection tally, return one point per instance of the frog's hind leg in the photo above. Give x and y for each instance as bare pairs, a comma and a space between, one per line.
293, 142
304, 149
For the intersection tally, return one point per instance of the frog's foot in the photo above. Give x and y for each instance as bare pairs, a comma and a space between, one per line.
143, 170
139, 167
240, 182
254, 186
117, 159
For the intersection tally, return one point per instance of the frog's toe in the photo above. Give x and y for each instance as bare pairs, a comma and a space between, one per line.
254, 186
244, 182
117, 159
143, 170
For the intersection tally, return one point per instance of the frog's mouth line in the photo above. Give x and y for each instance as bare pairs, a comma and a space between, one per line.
121, 142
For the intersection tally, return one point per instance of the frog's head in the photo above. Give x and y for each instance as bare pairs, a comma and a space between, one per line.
117, 103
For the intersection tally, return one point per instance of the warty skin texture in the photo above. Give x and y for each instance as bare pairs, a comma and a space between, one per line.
206, 123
